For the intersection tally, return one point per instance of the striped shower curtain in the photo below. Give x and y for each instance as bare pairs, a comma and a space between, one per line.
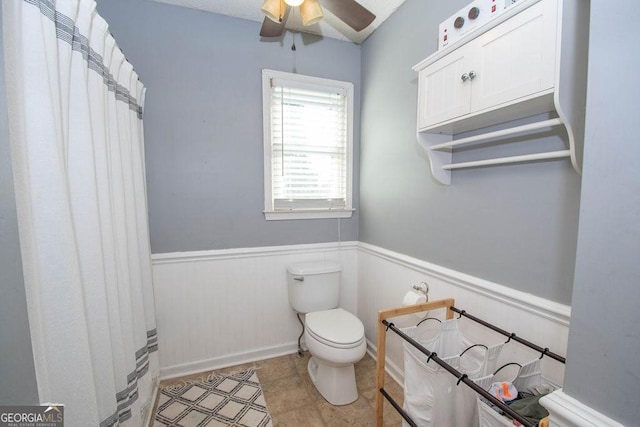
75, 114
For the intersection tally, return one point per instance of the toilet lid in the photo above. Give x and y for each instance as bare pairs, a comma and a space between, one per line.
337, 326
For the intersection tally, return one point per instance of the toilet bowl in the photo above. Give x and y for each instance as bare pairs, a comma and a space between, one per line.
335, 339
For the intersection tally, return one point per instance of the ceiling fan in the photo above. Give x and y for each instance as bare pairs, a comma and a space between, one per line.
349, 11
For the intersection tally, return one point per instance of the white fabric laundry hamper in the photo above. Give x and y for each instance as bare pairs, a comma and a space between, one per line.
529, 376
431, 395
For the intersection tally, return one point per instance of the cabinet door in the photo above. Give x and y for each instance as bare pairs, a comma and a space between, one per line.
517, 58
443, 95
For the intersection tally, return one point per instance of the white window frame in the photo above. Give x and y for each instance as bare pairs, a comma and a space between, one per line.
297, 79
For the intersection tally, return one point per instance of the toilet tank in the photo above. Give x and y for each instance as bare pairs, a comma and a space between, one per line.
314, 286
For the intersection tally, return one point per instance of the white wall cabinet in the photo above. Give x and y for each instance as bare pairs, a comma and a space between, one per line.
529, 60
442, 95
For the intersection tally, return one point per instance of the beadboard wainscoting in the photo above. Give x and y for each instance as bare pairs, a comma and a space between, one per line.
385, 276
226, 307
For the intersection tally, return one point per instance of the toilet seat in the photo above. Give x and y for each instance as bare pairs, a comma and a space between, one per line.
336, 328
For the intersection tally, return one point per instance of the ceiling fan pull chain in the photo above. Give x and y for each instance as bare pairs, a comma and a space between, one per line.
293, 33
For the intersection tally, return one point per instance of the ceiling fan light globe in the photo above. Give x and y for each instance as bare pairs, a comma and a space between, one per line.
311, 12
273, 9
294, 3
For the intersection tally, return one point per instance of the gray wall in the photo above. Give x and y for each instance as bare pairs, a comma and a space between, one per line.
203, 123
604, 340
17, 372
515, 225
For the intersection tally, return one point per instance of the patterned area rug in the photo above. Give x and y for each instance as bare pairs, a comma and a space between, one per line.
220, 400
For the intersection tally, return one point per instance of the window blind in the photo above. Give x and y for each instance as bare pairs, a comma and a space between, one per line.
309, 131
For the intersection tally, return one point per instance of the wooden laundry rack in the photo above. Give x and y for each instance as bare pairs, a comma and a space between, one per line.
449, 305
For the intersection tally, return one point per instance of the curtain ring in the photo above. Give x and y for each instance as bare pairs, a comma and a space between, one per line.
544, 352
513, 334
433, 354
388, 326
461, 313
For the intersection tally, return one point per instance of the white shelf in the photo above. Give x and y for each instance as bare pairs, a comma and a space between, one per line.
559, 30
511, 159
499, 134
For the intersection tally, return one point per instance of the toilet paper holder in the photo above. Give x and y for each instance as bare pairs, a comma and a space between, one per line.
422, 287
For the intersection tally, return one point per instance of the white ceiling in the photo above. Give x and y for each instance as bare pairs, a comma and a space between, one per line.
330, 26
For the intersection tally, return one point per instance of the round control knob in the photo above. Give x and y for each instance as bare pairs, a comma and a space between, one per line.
474, 12
459, 22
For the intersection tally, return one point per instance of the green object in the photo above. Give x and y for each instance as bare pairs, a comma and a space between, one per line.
530, 408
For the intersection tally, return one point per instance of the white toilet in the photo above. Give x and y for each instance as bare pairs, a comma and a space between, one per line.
335, 338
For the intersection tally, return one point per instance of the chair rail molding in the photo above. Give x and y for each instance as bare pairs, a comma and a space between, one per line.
551, 310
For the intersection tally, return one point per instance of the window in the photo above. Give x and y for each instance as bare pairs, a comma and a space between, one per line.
308, 146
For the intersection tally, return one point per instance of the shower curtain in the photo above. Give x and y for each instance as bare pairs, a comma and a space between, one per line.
75, 114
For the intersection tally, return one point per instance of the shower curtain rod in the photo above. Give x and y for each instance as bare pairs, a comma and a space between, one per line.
512, 336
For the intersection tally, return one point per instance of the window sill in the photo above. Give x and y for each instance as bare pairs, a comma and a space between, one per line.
308, 214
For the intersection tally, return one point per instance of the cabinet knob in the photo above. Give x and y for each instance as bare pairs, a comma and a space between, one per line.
472, 75
464, 77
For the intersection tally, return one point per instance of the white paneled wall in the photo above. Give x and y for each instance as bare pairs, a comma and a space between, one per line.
221, 308
385, 276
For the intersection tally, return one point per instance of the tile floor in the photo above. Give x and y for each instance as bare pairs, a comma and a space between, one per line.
293, 400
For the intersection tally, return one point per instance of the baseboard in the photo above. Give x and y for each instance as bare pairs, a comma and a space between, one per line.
227, 360
565, 411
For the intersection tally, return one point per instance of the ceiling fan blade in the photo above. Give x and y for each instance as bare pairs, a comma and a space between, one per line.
274, 29
351, 12
271, 29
